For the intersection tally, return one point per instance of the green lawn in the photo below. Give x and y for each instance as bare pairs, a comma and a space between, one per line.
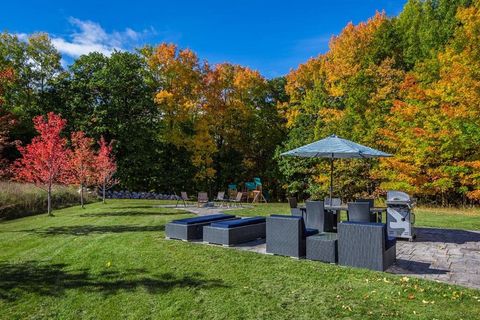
112, 262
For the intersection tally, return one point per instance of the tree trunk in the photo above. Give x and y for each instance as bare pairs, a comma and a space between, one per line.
81, 195
49, 201
103, 193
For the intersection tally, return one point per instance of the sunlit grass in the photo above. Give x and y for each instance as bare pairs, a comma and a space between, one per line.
112, 262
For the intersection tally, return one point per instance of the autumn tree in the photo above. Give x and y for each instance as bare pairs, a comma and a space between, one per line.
110, 96
82, 169
433, 127
6, 120
45, 161
105, 167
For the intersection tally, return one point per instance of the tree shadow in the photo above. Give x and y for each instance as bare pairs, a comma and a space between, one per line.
86, 230
153, 206
132, 213
446, 235
17, 280
415, 267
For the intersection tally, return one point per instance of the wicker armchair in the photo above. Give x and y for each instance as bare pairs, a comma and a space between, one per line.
365, 245
286, 235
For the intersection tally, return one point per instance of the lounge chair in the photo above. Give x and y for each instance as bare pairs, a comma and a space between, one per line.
286, 235
232, 190
365, 245
238, 199
220, 198
192, 228
258, 196
202, 199
184, 198
233, 232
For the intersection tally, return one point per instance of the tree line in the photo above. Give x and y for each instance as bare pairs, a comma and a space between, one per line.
178, 123
407, 85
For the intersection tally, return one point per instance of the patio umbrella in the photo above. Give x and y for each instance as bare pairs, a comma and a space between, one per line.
332, 148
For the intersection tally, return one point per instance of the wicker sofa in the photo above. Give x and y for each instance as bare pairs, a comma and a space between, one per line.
192, 228
286, 235
231, 232
365, 245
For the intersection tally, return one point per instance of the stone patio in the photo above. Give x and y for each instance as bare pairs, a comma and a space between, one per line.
445, 255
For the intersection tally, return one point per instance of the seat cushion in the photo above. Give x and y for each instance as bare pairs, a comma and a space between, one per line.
285, 216
238, 222
203, 219
310, 232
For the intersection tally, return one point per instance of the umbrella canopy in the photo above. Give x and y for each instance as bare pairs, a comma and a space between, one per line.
334, 147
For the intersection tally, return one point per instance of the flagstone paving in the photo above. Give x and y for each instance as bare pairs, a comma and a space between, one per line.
445, 255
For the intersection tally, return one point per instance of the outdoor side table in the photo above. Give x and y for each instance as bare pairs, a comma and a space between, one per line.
322, 247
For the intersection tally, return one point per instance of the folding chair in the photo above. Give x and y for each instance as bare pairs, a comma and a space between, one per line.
202, 198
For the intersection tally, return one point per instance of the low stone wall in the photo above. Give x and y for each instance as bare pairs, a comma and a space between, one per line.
139, 195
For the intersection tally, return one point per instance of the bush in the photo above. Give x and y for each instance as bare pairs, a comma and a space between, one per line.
20, 200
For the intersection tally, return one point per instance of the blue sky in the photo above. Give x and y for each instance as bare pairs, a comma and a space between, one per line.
270, 36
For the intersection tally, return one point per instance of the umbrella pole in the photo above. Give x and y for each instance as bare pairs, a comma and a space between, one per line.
331, 179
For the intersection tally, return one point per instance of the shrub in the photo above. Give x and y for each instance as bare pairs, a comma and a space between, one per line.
21, 199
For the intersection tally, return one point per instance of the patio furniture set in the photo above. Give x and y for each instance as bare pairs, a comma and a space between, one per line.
203, 200
313, 232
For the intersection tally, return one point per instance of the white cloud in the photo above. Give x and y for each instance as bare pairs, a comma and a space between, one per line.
89, 37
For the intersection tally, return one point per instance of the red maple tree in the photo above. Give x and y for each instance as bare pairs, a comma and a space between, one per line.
45, 161
105, 167
7, 121
82, 162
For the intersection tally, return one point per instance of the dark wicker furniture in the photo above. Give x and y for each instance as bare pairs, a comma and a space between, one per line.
192, 228
233, 232
365, 245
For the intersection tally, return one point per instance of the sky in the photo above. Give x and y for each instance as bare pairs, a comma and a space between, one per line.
272, 37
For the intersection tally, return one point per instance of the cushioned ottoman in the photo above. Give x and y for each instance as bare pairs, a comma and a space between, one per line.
192, 228
233, 232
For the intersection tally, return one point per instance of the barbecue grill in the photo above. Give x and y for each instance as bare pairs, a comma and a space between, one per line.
400, 215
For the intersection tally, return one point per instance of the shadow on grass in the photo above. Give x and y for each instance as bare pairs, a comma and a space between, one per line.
141, 206
86, 230
17, 280
133, 214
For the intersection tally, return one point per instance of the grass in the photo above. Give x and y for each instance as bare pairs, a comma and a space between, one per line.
112, 262
23, 199
452, 218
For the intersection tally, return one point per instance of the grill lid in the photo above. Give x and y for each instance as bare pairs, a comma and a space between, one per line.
394, 196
